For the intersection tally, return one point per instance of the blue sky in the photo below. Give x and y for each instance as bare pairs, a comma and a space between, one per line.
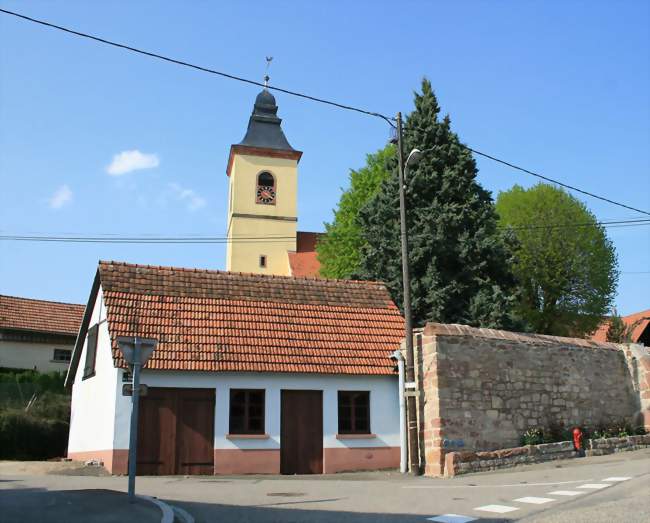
559, 87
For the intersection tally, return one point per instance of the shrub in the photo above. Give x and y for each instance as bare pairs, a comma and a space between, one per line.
24, 436
533, 437
557, 432
43, 381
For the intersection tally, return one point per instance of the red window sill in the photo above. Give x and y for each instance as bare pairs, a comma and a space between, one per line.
356, 436
247, 436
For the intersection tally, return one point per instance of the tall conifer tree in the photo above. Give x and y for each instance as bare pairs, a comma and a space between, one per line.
460, 262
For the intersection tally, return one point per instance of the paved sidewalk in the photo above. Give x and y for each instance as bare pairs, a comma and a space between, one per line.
40, 505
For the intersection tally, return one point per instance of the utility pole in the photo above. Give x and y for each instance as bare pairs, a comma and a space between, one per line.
414, 455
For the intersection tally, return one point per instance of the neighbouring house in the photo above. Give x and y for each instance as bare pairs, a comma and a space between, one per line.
638, 324
37, 334
252, 373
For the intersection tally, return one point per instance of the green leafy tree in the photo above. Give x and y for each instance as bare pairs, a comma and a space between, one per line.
339, 248
460, 263
566, 265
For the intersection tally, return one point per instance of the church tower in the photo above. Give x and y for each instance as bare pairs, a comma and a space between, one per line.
262, 196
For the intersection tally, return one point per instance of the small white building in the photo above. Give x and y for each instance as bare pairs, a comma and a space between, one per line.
252, 373
37, 334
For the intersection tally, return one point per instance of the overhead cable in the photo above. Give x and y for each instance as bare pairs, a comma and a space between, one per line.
347, 107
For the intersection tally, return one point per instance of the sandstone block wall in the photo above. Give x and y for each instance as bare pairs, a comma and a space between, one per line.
482, 389
466, 462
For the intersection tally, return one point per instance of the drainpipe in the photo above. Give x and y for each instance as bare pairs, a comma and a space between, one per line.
397, 355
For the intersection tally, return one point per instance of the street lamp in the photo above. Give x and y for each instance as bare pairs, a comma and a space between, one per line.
136, 352
412, 159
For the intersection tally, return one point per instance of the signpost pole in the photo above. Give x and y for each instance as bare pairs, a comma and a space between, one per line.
133, 436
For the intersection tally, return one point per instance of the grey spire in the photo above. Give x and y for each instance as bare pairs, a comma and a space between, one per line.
264, 128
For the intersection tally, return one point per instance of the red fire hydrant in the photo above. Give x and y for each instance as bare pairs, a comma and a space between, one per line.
577, 441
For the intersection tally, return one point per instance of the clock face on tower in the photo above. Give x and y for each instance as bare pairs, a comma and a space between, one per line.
265, 195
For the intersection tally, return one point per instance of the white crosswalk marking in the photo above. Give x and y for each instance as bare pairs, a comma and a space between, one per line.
533, 500
594, 486
499, 509
451, 518
617, 478
565, 493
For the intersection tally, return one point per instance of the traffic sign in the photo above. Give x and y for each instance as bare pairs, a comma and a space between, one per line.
127, 389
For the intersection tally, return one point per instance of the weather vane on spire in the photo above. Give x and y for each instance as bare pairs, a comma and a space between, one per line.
269, 59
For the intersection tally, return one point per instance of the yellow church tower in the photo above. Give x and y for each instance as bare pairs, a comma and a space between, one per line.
263, 186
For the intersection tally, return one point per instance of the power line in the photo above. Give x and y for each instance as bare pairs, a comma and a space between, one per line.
142, 240
152, 239
387, 119
565, 185
194, 66
614, 224
191, 235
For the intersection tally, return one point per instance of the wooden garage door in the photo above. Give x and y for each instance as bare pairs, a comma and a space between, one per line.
175, 432
301, 432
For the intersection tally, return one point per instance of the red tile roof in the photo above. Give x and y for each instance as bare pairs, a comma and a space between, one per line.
640, 320
223, 321
304, 262
40, 315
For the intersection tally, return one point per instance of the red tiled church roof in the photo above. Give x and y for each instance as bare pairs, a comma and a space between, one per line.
640, 320
223, 321
40, 315
304, 262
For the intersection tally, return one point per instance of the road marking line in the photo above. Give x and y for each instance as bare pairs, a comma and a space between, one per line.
499, 509
534, 500
498, 486
451, 518
565, 493
617, 478
594, 486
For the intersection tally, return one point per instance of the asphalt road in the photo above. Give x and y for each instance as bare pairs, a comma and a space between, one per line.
607, 489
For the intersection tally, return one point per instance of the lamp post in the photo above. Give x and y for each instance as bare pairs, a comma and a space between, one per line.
136, 352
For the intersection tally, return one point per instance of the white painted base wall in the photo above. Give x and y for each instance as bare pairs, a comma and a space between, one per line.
384, 407
33, 356
92, 418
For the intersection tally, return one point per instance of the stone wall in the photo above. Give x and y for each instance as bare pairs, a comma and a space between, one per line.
466, 462
600, 447
638, 361
482, 389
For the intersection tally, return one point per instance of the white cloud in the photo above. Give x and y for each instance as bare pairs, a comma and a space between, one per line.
128, 161
192, 200
61, 197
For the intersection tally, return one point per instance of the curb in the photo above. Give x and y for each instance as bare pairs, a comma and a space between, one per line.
167, 512
182, 515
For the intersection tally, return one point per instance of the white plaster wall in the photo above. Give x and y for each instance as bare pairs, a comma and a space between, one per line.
92, 418
27, 355
384, 407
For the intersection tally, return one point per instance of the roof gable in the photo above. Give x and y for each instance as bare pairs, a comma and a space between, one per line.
224, 321
304, 261
40, 315
639, 322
